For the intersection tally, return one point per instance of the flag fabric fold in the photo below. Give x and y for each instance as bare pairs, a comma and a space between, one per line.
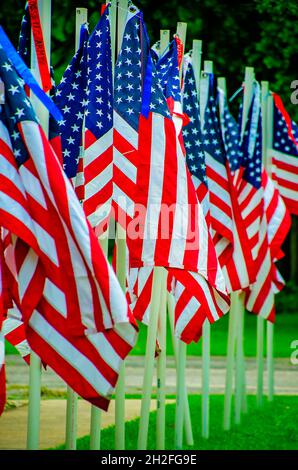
75, 313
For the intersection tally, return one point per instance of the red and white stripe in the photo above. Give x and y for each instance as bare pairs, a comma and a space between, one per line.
13, 330
98, 176
125, 167
274, 227
285, 174
76, 316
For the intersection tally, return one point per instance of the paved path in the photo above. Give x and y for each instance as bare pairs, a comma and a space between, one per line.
13, 423
286, 376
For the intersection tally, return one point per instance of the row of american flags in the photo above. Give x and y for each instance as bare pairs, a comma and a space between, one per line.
132, 147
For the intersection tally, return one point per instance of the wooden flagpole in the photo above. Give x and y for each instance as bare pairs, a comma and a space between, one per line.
162, 325
268, 166
204, 89
72, 397
33, 423
181, 360
120, 271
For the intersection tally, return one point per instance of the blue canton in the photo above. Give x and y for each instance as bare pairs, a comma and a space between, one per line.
192, 134
70, 98
99, 88
130, 73
253, 163
168, 73
213, 143
281, 140
231, 133
17, 106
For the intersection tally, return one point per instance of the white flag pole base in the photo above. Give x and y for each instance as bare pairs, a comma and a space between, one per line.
187, 416
230, 361
180, 395
71, 420
205, 378
149, 358
161, 368
33, 423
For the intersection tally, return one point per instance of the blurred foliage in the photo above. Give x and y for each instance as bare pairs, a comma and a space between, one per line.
259, 33
286, 301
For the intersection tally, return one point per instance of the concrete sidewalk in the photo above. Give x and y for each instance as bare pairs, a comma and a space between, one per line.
286, 376
13, 423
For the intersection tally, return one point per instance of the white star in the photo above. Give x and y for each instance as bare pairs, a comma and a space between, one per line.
66, 153
15, 135
7, 66
14, 89
75, 128
70, 97
20, 112
70, 140
66, 109
80, 115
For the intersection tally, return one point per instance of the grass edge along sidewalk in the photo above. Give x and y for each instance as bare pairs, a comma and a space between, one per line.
274, 427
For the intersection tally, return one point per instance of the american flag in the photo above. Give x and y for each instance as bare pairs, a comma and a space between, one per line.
285, 155
265, 216
76, 316
193, 139
98, 138
274, 227
159, 176
24, 48
250, 194
239, 271
70, 99
218, 180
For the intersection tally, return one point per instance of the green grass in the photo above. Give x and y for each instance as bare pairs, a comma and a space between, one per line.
273, 427
285, 332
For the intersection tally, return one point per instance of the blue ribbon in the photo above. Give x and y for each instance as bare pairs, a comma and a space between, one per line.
27, 76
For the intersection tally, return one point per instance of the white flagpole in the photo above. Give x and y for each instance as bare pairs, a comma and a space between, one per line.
260, 320
162, 326
161, 367
121, 273
240, 388
240, 365
233, 317
208, 68
268, 165
158, 276
181, 362
72, 397
33, 423
187, 417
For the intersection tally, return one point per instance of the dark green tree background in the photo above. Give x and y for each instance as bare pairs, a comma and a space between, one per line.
259, 33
